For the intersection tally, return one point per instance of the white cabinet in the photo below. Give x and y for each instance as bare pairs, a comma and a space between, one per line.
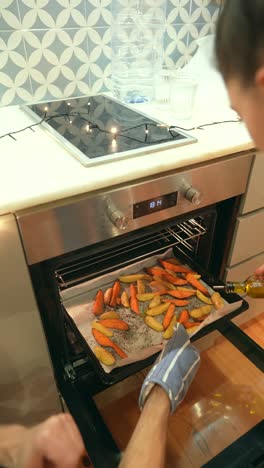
254, 197
248, 239
247, 248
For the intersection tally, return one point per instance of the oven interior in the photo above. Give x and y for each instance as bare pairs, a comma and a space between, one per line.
194, 239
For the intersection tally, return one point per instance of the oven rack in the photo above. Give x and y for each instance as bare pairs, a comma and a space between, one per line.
184, 234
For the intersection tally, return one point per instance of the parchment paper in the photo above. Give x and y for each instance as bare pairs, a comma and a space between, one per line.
140, 341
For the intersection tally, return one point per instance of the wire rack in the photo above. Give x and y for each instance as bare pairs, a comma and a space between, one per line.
184, 235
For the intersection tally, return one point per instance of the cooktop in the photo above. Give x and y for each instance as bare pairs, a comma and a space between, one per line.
99, 129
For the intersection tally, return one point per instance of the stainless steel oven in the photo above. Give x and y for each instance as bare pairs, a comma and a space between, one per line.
68, 243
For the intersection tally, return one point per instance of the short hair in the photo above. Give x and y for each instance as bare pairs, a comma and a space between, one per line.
239, 44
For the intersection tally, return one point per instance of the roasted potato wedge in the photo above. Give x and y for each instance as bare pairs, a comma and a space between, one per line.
203, 298
169, 331
133, 278
154, 302
104, 356
153, 323
160, 309
217, 300
102, 329
201, 312
109, 315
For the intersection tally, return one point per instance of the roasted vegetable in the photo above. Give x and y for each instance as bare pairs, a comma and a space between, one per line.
107, 296
109, 315
114, 323
98, 326
217, 301
134, 278
154, 302
168, 316
145, 297
153, 323
98, 305
180, 294
160, 309
163, 284
155, 271
189, 324
115, 293
175, 268
104, 356
125, 299
177, 302
170, 330
105, 341
184, 316
133, 299
191, 330
201, 312
196, 284
141, 288
203, 298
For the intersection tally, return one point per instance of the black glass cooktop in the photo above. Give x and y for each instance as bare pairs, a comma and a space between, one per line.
99, 129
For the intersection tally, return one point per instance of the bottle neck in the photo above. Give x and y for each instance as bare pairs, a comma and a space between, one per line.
238, 287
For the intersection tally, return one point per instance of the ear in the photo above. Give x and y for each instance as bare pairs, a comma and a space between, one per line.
259, 77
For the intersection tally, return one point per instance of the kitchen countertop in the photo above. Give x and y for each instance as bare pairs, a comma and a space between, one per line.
36, 169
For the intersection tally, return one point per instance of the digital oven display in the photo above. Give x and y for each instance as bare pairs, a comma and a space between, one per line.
154, 204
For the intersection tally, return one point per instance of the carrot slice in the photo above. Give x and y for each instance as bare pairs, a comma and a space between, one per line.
179, 294
168, 316
189, 324
172, 279
105, 341
98, 305
114, 323
175, 268
115, 293
184, 316
155, 271
197, 284
177, 302
133, 299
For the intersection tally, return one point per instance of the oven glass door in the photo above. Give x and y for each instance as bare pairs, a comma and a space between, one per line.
225, 401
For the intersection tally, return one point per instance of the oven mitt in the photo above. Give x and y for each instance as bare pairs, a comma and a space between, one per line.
174, 369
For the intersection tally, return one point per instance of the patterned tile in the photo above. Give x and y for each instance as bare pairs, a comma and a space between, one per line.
99, 13
15, 86
99, 58
58, 62
62, 48
9, 15
52, 13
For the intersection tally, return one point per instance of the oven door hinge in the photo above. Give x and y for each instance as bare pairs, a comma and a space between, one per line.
70, 373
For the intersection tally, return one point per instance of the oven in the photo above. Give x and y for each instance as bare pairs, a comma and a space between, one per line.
73, 242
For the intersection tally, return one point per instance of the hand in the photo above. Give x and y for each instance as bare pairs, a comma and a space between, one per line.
260, 270
174, 370
55, 443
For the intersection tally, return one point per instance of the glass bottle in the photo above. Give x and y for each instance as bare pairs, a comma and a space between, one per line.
252, 287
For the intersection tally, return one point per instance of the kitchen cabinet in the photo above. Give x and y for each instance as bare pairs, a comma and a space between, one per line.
247, 248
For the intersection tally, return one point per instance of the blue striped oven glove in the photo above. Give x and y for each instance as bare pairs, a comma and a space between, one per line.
174, 370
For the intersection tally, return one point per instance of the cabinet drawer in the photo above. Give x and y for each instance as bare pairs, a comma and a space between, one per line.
254, 197
245, 269
248, 238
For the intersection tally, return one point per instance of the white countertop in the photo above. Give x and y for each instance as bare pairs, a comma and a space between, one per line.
36, 169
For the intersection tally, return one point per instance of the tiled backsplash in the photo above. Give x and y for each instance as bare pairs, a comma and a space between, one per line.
50, 49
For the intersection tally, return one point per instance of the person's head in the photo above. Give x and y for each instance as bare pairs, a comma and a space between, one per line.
239, 49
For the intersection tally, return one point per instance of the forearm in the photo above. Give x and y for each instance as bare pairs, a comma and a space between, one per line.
148, 443
10, 438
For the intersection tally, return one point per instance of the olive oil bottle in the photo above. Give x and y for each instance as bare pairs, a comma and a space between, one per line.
252, 287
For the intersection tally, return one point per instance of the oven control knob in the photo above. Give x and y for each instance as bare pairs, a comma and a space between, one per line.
117, 218
193, 195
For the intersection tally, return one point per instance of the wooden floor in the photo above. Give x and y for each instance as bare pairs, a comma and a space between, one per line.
225, 400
